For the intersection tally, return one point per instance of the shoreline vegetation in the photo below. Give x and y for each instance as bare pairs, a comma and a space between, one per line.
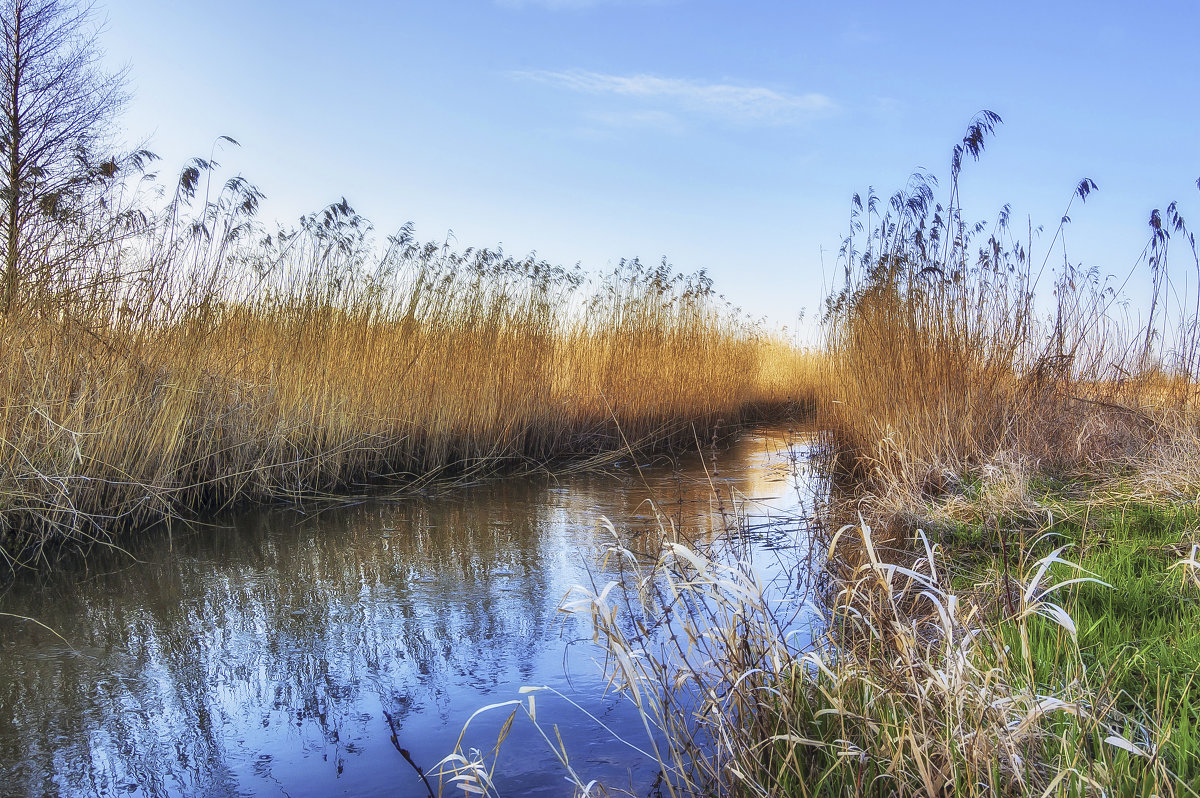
1011, 557
1029, 459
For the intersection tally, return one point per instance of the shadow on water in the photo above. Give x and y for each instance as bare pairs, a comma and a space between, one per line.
259, 658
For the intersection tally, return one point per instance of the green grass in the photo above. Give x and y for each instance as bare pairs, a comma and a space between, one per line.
1138, 634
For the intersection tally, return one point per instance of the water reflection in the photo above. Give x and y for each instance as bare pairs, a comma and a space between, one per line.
259, 658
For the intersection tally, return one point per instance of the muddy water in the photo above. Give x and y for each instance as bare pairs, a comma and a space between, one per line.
258, 656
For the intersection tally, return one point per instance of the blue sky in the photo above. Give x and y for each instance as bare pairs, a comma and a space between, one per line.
726, 136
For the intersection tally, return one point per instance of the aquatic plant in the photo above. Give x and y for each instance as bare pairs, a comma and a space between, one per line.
202, 362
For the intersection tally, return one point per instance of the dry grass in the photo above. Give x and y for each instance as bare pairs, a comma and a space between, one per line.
944, 361
175, 375
912, 688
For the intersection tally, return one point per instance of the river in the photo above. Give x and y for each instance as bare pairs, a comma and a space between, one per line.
257, 655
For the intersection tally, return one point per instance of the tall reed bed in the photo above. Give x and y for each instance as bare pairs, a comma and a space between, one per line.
191, 364
956, 344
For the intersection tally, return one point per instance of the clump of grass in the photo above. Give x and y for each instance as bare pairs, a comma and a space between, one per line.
944, 361
1140, 638
912, 687
1018, 705
199, 364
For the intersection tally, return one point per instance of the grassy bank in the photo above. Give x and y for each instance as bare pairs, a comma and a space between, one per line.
1012, 414
184, 371
1138, 624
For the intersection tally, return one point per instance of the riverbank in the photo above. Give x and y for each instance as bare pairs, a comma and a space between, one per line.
1021, 618
1050, 651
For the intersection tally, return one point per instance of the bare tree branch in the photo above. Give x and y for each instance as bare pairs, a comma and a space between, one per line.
57, 105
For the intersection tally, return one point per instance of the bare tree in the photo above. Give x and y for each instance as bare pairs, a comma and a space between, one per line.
57, 105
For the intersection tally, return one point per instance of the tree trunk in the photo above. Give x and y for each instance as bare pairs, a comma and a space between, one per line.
12, 232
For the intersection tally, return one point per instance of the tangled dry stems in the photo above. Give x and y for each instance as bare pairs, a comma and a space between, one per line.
909, 688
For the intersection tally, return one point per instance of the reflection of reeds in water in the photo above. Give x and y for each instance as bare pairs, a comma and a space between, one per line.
268, 640
311, 624
189, 375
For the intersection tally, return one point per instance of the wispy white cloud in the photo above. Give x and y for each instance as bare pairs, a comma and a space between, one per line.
754, 104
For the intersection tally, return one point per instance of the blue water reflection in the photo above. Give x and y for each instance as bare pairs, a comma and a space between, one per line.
258, 657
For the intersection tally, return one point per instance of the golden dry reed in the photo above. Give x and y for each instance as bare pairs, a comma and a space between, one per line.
953, 347
186, 370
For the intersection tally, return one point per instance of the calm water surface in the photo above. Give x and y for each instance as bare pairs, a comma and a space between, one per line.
258, 657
